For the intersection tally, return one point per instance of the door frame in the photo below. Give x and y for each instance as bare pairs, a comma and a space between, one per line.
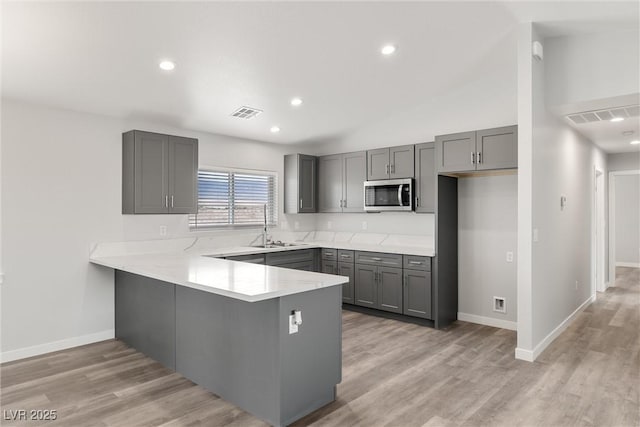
598, 233
612, 221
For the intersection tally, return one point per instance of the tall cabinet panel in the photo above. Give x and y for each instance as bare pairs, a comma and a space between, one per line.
183, 175
354, 174
425, 178
330, 186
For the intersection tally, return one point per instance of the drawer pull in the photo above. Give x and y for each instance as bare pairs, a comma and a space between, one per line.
377, 259
415, 262
344, 256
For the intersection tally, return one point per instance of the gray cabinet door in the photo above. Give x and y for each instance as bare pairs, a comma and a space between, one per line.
330, 183
378, 164
183, 175
329, 267
456, 152
365, 285
307, 174
151, 173
354, 174
401, 162
497, 148
347, 269
425, 178
390, 289
417, 293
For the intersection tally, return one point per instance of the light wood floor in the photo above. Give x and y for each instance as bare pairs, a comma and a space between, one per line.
394, 374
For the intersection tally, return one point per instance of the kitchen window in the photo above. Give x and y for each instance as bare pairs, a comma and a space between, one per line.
234, 198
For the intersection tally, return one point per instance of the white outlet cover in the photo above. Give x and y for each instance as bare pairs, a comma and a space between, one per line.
293, 328
163, 230
535, 234
509, 256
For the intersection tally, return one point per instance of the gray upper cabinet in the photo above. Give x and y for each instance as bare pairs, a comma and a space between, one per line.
330, 183
456, 152
340, 182
478, 150
354, 174
159, 173
425, 184
390, 163
300, 186
497, 148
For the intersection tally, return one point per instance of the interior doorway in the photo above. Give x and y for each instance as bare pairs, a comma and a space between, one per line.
613, 227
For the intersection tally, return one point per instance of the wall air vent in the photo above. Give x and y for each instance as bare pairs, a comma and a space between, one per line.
246, 112
604, 115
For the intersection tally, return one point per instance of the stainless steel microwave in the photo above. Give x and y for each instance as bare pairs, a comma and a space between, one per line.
388, 195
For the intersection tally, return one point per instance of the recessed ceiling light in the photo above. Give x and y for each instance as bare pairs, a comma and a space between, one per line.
388, 49
636, 142
617, 119
296, 102
167, 65
274, 129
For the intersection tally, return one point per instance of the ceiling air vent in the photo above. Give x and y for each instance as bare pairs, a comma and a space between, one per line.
604, 115
246, 112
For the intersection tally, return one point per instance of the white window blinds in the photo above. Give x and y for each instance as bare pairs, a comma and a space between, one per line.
234, 198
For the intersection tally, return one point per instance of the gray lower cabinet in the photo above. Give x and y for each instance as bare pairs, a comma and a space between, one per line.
340, 262
300, 186
159, 173
478, 150
340, 182
329, 267
302, 259
417, 286
347, 269
425, 183
365, 282
252, 258
390, 289
390, 163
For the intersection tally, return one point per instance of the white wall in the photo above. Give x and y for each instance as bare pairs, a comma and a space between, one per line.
590, 67
627, 229
487, 223
61, 192
562, 164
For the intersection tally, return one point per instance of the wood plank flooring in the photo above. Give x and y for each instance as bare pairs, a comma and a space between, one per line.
394, 374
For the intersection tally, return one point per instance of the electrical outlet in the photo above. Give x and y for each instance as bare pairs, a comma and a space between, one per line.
535, 234
576, 285
499, 304
509, 256
364, 225
293, 326
163, 230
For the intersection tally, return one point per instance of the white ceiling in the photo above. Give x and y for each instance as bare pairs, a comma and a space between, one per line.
103, 57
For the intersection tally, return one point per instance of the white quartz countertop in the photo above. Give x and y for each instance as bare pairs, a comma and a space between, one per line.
239, 280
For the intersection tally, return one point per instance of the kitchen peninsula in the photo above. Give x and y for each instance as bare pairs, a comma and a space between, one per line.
226, 326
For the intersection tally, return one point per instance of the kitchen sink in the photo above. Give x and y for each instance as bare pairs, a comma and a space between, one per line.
277, 244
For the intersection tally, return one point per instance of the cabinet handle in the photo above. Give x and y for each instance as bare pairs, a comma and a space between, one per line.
375, 276
166, 201
393, 168
386, 169
415, 262
377, 259
300, 203
344, 203
344, 256
479, 157
171, 201
473, 158
417, 201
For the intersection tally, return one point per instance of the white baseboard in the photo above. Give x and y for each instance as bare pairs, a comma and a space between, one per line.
36, 350
531, 355
628, 264
488, 321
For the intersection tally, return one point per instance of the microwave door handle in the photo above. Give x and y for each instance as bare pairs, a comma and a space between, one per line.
400, 195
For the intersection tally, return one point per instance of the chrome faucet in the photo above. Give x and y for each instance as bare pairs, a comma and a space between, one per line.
264, 231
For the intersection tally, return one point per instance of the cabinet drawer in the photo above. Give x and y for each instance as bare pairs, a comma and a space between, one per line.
377, 258
254, 259
289, 257
345, 255
413, 262
329, 254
